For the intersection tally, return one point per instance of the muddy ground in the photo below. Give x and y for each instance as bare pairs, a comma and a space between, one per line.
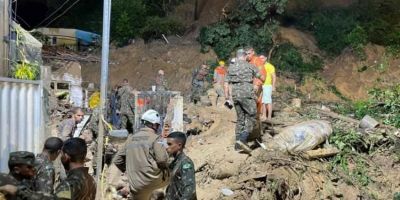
269, 174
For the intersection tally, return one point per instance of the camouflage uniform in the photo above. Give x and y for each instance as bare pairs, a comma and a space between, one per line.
7, 179
161, 83
79, 185
66, 129
127, 106
18, 158
240, 76
45, 174
198, 79
183, 182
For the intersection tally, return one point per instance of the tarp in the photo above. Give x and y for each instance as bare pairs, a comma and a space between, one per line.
67, 36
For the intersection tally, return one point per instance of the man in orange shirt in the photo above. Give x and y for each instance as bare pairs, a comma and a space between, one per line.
257, 61
219, 80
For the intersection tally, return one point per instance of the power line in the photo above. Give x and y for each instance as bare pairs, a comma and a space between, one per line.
22, 20
66, 10
59, 8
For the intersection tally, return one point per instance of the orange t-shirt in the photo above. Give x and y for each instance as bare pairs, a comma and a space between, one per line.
257, 62
219, 74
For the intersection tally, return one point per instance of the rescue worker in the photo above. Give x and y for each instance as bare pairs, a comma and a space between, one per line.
219, 80
68, 126
198, 82
240, 77
183, 181
45, 172
78, 185
161, 82
22, 170
258, 62
126, 106
144, 158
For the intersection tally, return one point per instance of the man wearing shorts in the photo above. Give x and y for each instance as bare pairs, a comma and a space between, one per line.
268, 88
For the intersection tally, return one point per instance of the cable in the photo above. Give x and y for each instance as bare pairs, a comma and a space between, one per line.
52, 13
22, 20
66, 10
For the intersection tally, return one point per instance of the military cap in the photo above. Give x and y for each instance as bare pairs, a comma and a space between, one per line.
21, 158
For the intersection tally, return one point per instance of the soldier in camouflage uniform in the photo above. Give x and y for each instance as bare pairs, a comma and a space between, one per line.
161, 82
198, 80
21, 166
126, 106
240, 77
183, 182
45, 172
78, 185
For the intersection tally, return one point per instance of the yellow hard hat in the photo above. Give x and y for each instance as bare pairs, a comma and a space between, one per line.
221, 62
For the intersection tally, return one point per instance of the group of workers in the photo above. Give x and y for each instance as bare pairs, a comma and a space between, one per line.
246, 84
34, 178
149, 160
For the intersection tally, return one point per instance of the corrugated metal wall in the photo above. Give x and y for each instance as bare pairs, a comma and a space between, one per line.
21, 118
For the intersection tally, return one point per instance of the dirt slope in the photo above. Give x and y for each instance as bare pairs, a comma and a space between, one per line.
140, 62
354, 77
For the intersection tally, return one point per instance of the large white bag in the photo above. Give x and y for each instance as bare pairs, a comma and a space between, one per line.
303, 137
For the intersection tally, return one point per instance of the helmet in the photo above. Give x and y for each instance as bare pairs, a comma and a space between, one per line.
221, 62
151, 116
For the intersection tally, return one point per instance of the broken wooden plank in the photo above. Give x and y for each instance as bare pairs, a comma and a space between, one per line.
338, 116
321, 153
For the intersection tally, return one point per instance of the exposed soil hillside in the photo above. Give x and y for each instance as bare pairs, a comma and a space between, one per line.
140, 62
354, 77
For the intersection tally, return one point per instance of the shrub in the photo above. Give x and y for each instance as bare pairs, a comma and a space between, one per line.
127, 19
288, 58
252, 24
156, 26
357, 39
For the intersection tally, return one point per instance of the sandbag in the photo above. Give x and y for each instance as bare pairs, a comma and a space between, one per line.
303, 137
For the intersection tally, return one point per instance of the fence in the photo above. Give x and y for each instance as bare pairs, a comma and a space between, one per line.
21, 118
169, 104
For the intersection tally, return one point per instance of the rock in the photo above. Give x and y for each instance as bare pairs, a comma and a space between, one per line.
226, 192
296, 102
205, 101
224, 171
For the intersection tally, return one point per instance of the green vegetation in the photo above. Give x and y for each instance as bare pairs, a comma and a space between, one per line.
350, 144
252, 24
130, 19
26, 70
384, 104
365, 21
289, 59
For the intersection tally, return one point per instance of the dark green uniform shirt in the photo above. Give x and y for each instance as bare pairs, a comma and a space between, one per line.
45, 174
183, 182
78, 185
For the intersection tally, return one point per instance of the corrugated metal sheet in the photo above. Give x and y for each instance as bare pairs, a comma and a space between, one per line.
21, 118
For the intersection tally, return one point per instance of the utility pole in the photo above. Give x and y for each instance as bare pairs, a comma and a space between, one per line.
103, 95
4, 31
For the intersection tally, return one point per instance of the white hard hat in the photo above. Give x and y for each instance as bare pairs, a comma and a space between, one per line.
151, 116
